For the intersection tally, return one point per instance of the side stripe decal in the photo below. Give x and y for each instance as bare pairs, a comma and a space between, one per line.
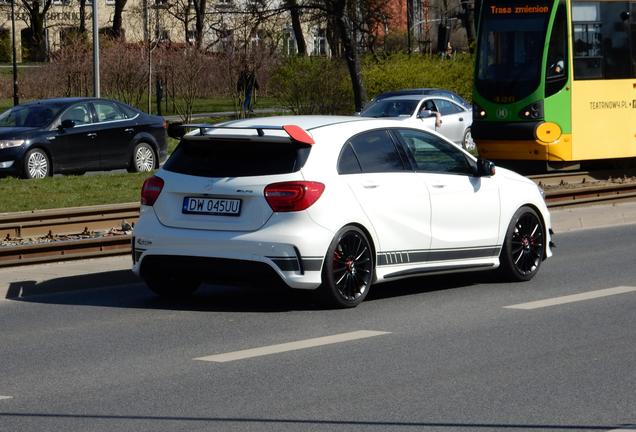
419, 256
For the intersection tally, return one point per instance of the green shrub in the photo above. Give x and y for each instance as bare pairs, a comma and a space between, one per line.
313, 85
401, 71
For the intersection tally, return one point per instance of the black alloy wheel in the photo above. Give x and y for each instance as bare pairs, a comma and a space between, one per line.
348, 269
524, 246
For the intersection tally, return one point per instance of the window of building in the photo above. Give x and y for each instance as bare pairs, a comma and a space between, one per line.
320, 42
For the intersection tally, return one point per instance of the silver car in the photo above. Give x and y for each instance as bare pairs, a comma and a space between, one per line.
437, 113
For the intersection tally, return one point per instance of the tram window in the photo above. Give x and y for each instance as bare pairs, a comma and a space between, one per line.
556, 74
633, 25
601, 33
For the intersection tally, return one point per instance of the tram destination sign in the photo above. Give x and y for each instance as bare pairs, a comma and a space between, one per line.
518, 9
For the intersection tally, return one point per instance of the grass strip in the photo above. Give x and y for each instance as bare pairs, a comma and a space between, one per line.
69, 191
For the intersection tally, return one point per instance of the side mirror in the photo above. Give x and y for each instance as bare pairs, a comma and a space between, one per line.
425, 114
176, 130
485, 168
67, 124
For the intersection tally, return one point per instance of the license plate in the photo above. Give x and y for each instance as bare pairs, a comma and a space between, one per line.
212, 206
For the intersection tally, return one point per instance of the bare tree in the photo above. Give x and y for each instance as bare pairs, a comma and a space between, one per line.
116, 31
36, 11
294, 12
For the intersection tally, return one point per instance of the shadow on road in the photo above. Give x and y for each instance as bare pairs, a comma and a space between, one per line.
123, 289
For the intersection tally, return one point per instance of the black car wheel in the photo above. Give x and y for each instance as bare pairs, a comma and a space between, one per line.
36, 165
524, 246
143, 158
348, 269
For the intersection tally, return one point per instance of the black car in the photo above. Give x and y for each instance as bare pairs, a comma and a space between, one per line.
75, 135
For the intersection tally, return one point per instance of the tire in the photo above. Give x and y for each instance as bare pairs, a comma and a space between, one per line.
36, 165
524, 246
348, 269
143, 158
171, 286
468, 143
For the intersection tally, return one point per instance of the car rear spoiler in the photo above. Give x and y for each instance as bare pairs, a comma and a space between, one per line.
296, 133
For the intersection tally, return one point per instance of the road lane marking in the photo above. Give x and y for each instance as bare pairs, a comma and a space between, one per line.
6, 397
624, 429
291, 346
572, 298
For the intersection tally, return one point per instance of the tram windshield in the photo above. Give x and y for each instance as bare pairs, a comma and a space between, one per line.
510, 50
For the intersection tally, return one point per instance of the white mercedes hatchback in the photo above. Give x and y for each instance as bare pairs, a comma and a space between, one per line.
333, 204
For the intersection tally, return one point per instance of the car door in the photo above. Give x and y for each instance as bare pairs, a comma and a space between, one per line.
75, 148
382, 181
114, 134
465, 209
454, 120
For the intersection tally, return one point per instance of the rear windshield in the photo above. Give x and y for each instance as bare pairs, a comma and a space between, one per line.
216, 157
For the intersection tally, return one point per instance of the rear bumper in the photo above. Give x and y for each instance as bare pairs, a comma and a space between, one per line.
291, 247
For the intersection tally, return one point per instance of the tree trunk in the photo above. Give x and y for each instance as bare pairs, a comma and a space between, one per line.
38, 33
82, 16
199, 10
350, 49
117, 21
292, 5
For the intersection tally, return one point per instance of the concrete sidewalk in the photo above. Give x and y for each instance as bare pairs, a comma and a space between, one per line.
25, 281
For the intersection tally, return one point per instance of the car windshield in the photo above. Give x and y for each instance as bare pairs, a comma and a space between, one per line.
391, 108
29, 116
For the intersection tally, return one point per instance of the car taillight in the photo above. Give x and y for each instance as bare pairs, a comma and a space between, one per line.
150, 190
293, 196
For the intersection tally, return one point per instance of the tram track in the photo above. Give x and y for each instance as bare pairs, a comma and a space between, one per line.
88, 232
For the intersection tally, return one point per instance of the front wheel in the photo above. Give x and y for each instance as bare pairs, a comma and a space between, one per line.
143, 158
468, 142
524, 246
36, 165
348, 269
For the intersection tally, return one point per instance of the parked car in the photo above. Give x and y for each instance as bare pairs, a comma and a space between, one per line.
425, 92
438, 113
75, 135
333, 204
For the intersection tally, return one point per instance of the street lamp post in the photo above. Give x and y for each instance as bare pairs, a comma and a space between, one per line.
16, 99
96, 85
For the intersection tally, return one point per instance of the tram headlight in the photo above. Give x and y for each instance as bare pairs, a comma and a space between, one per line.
478, 112
534, 111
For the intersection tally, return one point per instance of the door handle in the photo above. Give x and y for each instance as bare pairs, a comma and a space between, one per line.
129, 130
91, 135
439, 186
369, 185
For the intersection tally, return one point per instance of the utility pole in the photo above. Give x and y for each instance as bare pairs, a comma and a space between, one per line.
95, 50
16, 99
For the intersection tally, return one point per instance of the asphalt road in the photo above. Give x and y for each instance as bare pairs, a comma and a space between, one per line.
430, 354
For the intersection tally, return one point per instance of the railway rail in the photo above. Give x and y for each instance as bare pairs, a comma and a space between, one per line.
88, 232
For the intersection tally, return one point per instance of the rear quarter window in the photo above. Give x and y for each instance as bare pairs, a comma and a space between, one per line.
241, 157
